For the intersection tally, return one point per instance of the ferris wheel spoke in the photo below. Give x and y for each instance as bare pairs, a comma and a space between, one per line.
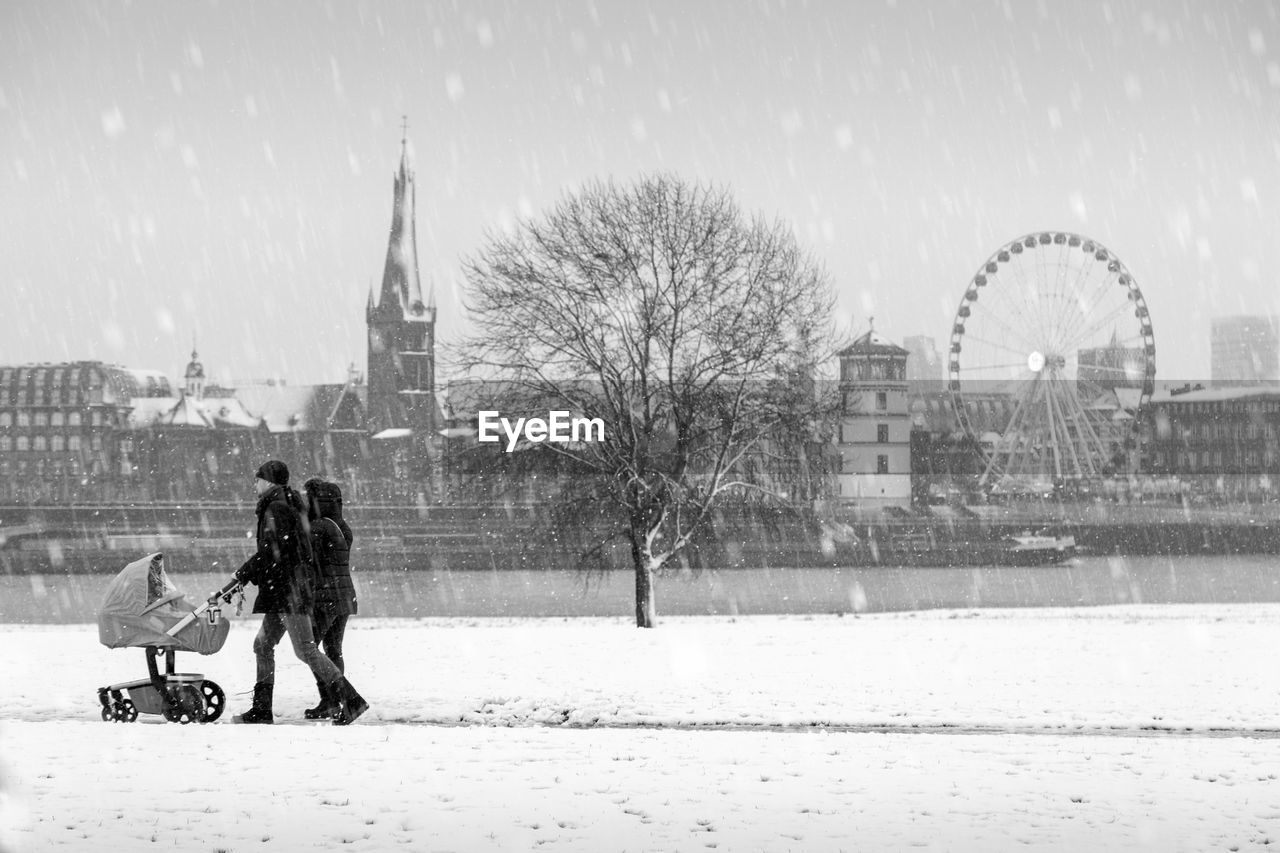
1030, 298
1057, 293
1081, 329
1012, 331
1087, 334
1005, 445
995, 345
1006, 366
1023, 323
1068, 404
1083, 302
1095, 449
1080, 301
1061, 442
1096, 296
1034, 459
1053, 445
1025, 432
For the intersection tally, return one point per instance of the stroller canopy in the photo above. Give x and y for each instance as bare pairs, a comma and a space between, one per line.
141, 604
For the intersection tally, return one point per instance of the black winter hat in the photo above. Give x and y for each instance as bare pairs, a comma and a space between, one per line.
274, 471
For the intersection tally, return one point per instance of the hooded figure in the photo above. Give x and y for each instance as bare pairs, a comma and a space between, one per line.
335, 598
283, 569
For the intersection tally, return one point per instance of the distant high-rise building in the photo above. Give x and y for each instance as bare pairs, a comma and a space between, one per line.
1245, 348
923, 360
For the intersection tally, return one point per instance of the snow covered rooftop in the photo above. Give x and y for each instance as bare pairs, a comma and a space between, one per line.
287, 408
184, 411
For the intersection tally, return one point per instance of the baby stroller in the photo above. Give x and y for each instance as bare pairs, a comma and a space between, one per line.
143, 609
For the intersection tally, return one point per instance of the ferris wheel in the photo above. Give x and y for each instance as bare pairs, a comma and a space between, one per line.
1052, 360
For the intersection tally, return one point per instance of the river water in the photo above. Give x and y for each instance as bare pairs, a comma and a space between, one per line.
50, 598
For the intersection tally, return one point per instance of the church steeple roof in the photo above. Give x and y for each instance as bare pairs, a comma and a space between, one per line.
401, 285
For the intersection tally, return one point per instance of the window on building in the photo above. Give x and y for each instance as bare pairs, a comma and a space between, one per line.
882, 464
40, 419
882, 401
73, 442
882, 433
24, 443
57, 442
6, 419
95, 442
24, 418
73, 419
6, 443
40, 442
56, 419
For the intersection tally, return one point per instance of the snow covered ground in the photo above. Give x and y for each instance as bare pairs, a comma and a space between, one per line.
1140, 727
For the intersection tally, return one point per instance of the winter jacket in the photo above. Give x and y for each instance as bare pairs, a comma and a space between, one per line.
331, 540
282, 567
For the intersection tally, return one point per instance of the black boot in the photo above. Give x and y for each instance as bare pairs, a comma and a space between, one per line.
350, 703
260, 713
328, 705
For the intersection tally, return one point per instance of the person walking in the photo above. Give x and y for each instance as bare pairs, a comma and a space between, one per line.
282, 568
335, 592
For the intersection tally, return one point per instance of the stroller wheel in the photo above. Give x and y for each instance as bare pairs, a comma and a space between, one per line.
184, 705
120, 711
214, 701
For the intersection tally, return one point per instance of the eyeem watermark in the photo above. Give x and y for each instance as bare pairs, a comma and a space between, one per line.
557, 427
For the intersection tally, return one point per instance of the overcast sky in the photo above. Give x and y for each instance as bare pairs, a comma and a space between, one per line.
223, 171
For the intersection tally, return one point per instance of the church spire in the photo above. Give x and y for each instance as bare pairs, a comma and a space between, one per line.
401, 286
400, 379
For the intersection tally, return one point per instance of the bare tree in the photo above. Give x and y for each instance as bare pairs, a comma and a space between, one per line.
687, 328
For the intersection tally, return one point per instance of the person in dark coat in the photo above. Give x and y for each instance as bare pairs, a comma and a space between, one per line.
283, 569
335, 592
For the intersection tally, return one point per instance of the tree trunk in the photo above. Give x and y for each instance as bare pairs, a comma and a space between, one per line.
646, 611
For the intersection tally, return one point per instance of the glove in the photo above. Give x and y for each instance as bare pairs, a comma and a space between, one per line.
242, 575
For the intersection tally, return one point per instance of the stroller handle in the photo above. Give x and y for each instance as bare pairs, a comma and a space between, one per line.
226, 592
212, 602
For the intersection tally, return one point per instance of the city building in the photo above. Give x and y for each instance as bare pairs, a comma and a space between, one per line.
64, 430
1222, 440
947, 460
874, 433
91, 432
1244, 348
